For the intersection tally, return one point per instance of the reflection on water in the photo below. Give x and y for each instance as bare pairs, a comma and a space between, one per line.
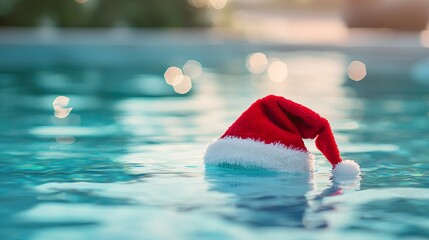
127, 160
263, 199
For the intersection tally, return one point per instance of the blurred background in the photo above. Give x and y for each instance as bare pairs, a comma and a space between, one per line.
132, 34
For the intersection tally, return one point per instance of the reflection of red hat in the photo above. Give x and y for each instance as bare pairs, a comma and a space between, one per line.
270, 135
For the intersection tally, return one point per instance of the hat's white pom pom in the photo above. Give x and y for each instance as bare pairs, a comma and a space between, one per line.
346, 169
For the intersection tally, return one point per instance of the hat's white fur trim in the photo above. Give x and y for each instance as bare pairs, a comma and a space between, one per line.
251, 153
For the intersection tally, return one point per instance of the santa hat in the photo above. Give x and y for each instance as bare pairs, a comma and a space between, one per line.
270, 135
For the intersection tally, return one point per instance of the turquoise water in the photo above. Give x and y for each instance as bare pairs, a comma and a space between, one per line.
127, 162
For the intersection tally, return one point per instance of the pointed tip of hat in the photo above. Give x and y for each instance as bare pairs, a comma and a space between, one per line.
347, 169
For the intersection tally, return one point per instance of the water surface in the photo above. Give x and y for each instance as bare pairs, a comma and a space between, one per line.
127, 162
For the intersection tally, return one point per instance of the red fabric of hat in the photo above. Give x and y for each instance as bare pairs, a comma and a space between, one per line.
270, 135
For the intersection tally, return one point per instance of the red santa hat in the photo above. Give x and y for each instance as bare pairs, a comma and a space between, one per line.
270, 135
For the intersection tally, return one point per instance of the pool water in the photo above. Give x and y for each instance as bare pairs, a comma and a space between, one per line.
127, 162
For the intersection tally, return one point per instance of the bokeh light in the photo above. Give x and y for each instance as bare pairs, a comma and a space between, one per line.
60, 102
424, 38
62, 112
218, 4
177, 80
356, 70
278, 71
193, 69
171, 73
182, 84
60, 107
256, 63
